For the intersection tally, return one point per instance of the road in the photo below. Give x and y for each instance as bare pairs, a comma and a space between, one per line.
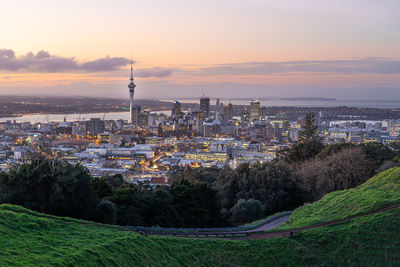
273, 224
269, 225
260, 232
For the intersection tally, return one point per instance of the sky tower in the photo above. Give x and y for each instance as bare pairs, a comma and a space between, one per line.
131, 87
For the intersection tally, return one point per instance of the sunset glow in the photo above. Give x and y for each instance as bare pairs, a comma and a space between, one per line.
192, 42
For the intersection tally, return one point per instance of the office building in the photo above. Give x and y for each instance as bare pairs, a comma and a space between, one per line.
94, 126
228, 112
254, 110
205, 106
176, 109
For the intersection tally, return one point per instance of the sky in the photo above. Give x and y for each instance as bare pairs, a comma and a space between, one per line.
346, 49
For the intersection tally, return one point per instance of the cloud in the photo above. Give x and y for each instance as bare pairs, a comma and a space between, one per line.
105, 64
153, 72
43, 61
366, 65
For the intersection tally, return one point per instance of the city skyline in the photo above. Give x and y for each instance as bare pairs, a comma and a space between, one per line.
287, 49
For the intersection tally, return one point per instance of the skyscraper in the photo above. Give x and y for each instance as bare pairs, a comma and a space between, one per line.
135, 115
176, 108
94, 126
228, 112
254, 110
205, 106
131, 87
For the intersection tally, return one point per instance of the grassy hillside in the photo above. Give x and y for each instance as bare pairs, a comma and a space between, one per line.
33, 239
380, 191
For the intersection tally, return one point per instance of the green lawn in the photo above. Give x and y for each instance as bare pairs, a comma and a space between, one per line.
379, 191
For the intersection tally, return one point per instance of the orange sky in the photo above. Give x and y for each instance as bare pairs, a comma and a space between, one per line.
188, 36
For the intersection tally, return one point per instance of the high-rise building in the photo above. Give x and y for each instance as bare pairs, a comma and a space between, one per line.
94, 126
176, 109
228, 112
135, 115
79, 129
394, 127
205, 106
254, 110
131, 87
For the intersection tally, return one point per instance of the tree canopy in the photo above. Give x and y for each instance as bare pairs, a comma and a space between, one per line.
310, 128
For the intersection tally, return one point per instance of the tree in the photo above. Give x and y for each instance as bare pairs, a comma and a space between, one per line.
49, 185
196, 204
271, 183
310, 128
129, 204
302, 151
106, 212
246, 211
101, 188
378, 153
160, 209
346, 169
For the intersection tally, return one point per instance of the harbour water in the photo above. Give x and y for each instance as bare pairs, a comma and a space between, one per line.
33, 118
306, 102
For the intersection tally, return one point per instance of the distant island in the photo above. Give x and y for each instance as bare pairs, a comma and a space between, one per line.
308, 99
266, 98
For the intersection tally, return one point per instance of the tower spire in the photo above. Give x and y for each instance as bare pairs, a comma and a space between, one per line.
131, 69
131, 87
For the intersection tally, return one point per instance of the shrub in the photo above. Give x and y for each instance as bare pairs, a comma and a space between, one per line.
246, 211
106, 212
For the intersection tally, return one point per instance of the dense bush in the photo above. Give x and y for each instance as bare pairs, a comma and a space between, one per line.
49, 185
106, 212
346, 169
302, 151
271, 183
247, 211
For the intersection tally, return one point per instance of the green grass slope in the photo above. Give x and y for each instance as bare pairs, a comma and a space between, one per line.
32, 239
378, 192
28, 238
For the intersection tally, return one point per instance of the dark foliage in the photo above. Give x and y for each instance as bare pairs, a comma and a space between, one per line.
247, 211
346, 169
182, 205
101, 188
196, 204
106, 212
49, 185
309, 130
302, 151
195, 175
271, 183
378, 153
129, 205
